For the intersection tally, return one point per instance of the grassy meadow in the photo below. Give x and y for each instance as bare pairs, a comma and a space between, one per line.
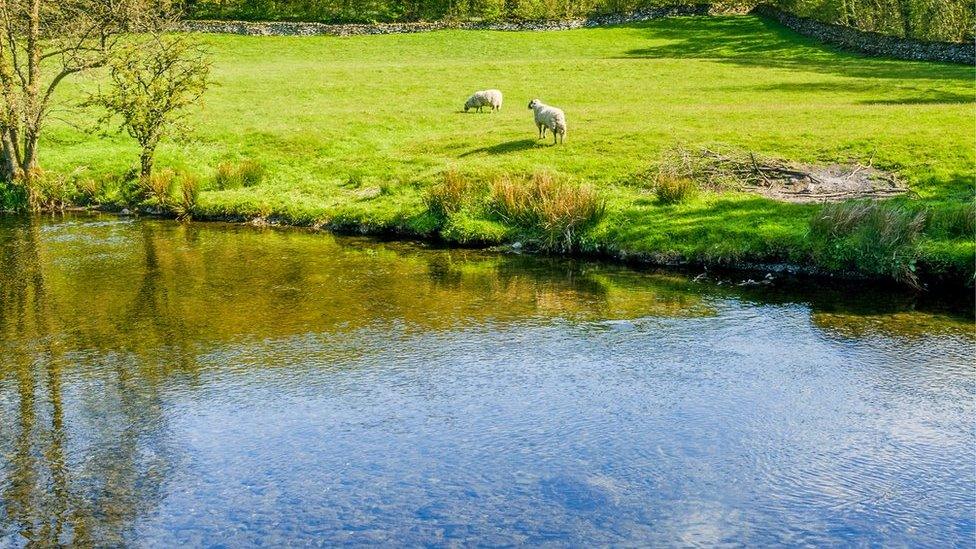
354, 132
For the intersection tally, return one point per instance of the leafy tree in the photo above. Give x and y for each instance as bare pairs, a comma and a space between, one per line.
152, 87
43, 42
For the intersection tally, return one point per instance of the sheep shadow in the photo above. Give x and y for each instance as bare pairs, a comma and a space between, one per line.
504, 148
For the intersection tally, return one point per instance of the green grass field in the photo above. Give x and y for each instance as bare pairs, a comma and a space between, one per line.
352, 131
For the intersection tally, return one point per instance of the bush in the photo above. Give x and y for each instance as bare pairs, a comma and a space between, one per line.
674, 189
874, 238
13, 197
247, 173
89, 189
49, 190
555, 210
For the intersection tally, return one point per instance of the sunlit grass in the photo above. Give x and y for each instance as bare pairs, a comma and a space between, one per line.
317, 113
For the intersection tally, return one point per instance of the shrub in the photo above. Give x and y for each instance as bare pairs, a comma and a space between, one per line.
49, 190
874, 238
13, 197
88, 189
449, 195
247, 173
674, 189
557, 211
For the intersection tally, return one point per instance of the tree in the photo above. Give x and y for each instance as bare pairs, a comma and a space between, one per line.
43, 42
152, 86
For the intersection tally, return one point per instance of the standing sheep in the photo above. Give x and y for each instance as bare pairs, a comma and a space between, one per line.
484, 98
549, 118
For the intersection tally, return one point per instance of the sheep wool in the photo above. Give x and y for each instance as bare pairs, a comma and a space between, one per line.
484, 98
549, 118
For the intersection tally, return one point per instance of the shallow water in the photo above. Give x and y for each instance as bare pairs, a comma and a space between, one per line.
163, 384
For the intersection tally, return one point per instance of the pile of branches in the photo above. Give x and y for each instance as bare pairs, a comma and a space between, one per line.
777, 178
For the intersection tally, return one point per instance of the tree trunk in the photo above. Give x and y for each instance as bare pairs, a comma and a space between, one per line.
905, 9
8, 159
146, 162
28, 164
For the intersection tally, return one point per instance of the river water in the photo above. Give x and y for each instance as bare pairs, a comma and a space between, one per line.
205, 384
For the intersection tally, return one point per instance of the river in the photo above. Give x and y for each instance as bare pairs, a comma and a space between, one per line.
206, 384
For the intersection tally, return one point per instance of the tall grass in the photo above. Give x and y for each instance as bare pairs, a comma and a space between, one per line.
674, 189
875, 238
554, 210
158, 186
188, 191
953, 221
229, 175
450, 194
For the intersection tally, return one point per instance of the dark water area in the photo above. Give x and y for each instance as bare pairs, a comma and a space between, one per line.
165, 384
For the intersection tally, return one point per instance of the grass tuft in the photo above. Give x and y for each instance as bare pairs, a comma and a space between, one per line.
449, 195
875, 238
229, 175
953, 221
552, 208
188, 188
674, 189
158, 186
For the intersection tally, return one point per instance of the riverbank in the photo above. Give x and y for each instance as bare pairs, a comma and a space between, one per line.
349, 134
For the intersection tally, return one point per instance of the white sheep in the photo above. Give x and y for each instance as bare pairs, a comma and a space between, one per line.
484, 98
549, 118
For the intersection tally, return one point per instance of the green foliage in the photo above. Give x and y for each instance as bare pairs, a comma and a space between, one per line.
949, 20
549, 207
942, 20
153, 84
13, 197
51, 191
158, 186
953, 221
365, 11
876, 238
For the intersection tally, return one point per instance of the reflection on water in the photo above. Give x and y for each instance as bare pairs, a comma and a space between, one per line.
170, 384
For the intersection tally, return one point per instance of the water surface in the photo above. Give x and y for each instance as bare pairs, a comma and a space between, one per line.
166, 384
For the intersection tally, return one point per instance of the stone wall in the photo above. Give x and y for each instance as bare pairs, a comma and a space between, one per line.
308, 29
872, 43
843, 37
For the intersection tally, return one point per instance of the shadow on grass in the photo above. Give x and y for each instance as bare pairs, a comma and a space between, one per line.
504, 148
927, 98
750, 41
901, 95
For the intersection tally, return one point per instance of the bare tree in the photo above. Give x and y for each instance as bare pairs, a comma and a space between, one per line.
43, 42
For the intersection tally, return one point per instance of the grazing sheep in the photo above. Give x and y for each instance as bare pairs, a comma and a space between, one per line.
549, 118
484, 98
